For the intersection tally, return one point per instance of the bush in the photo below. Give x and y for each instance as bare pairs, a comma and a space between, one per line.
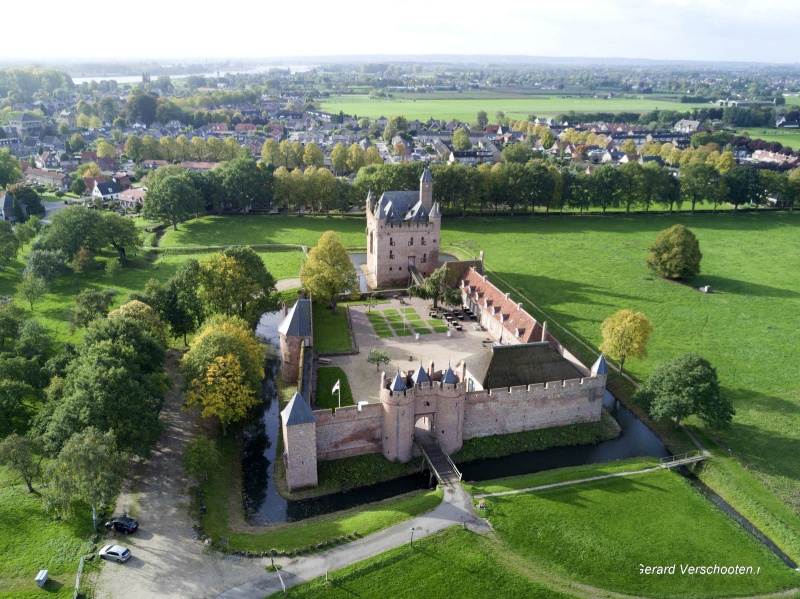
59, 194
675, 253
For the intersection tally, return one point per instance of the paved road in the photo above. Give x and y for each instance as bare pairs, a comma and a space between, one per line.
166, 560
50, 208
455, 509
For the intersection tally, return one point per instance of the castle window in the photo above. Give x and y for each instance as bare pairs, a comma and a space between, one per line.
399, 268
390, 268
391, 241
422, 241
424, 256
391, 255
411, 241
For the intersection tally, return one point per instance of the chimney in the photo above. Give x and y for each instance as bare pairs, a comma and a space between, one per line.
430, 370
519, 305
283, 308
544, 331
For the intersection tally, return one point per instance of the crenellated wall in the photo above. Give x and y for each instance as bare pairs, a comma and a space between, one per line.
345, 432
531, 407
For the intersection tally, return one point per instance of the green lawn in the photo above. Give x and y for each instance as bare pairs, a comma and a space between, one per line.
455, 561
330, 330
292, 230
423, 108
326, 379
599, 533
32, 540
788, 137
582, 270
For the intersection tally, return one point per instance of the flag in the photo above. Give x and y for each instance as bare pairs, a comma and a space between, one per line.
336, 388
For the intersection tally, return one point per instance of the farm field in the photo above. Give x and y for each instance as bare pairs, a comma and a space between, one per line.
788, 137
515, 108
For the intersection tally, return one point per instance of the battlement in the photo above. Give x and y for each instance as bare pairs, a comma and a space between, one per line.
541, 390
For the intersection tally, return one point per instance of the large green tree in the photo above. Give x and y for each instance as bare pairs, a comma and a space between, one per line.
122, 233
70, 229
20, 455
32, 288
625, 335
439, 287
684, 386
675, 253
87, 470
329, 272
141, 108
172, 199
10, 168
9, 243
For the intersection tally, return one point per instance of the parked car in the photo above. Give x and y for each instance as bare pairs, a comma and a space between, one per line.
115, 552
122, 524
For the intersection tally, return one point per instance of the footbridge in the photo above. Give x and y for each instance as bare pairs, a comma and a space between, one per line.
415, 276
682, 459
440, 464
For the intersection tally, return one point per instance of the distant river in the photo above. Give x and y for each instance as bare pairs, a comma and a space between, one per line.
122, 79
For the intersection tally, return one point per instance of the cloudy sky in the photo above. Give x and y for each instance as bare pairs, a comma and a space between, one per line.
738, 30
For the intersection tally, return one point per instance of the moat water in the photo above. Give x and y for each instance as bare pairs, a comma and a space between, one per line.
264, 505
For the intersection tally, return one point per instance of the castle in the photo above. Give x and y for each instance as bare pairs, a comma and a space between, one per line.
403, 230
526, 381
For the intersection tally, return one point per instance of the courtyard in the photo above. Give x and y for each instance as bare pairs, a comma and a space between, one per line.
411, 335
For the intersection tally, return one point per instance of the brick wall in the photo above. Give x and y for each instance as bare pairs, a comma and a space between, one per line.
345, 432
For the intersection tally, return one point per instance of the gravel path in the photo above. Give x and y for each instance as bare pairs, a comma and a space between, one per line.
166, 560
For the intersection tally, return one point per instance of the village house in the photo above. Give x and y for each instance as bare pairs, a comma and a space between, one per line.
106, 191
131, 198
35, 176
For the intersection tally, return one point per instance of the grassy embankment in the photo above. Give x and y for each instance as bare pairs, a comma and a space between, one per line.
582, 270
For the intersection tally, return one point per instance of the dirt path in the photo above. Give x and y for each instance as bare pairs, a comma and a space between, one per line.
166, 559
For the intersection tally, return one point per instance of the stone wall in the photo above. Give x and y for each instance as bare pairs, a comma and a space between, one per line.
531, 407
301, 461
402, 241
345, 432
290, 356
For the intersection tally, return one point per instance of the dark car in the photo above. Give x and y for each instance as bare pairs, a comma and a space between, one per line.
122, 524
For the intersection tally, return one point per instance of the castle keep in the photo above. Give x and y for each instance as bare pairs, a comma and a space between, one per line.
403, 230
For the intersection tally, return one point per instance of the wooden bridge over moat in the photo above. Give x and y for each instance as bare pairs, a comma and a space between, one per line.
684, 459
439, 463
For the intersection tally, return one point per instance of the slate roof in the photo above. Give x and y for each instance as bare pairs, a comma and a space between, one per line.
420, 376
600, 366
107, 187
426, 175
449, 377
401, 206
520, 364
297, 412
297, 322
398, 384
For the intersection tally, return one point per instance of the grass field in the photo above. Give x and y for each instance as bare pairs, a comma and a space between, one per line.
330, 330
326, 379
580, 271
788, 137
599, 533
454, 561
32, 539
515, 108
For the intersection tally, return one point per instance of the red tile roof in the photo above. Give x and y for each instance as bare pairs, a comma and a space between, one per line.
494, 302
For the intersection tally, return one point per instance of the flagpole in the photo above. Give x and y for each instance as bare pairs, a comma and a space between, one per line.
340, 396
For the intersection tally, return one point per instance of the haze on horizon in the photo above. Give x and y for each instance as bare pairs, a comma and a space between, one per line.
696, 30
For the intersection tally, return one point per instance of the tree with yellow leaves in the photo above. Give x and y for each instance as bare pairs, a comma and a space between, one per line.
222, 392
625, 334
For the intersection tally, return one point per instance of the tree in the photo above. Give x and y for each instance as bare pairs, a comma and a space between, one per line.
744, 186
700, 182
10, 168
121, 233
675, 253
329, 272
236, 281
355, 158
625, 335
221, 336
91, 304
46, 264
105, 149
172, 199
684, 386
133, 148
200, 458
25, 232
71, 229
378, 356
11, 319
339, 158
270, 152
438, 287
77, 143
32, 288
19, 454
482, 119
312, 155
223, 392
88, 469
628, 146
83, 262
23, 194
9, 243
141, 108
461, 142
243, 183
372, 156
146, 317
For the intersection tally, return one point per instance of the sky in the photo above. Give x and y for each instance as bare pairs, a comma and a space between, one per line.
707, 30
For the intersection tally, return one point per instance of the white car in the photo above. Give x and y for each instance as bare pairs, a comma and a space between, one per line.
115, 552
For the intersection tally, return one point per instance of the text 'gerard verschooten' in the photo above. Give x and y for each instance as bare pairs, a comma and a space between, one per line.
699, 570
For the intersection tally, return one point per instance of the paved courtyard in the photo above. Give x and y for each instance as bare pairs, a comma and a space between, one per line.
406, 351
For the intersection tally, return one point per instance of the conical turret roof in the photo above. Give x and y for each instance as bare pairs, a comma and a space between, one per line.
297, 412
